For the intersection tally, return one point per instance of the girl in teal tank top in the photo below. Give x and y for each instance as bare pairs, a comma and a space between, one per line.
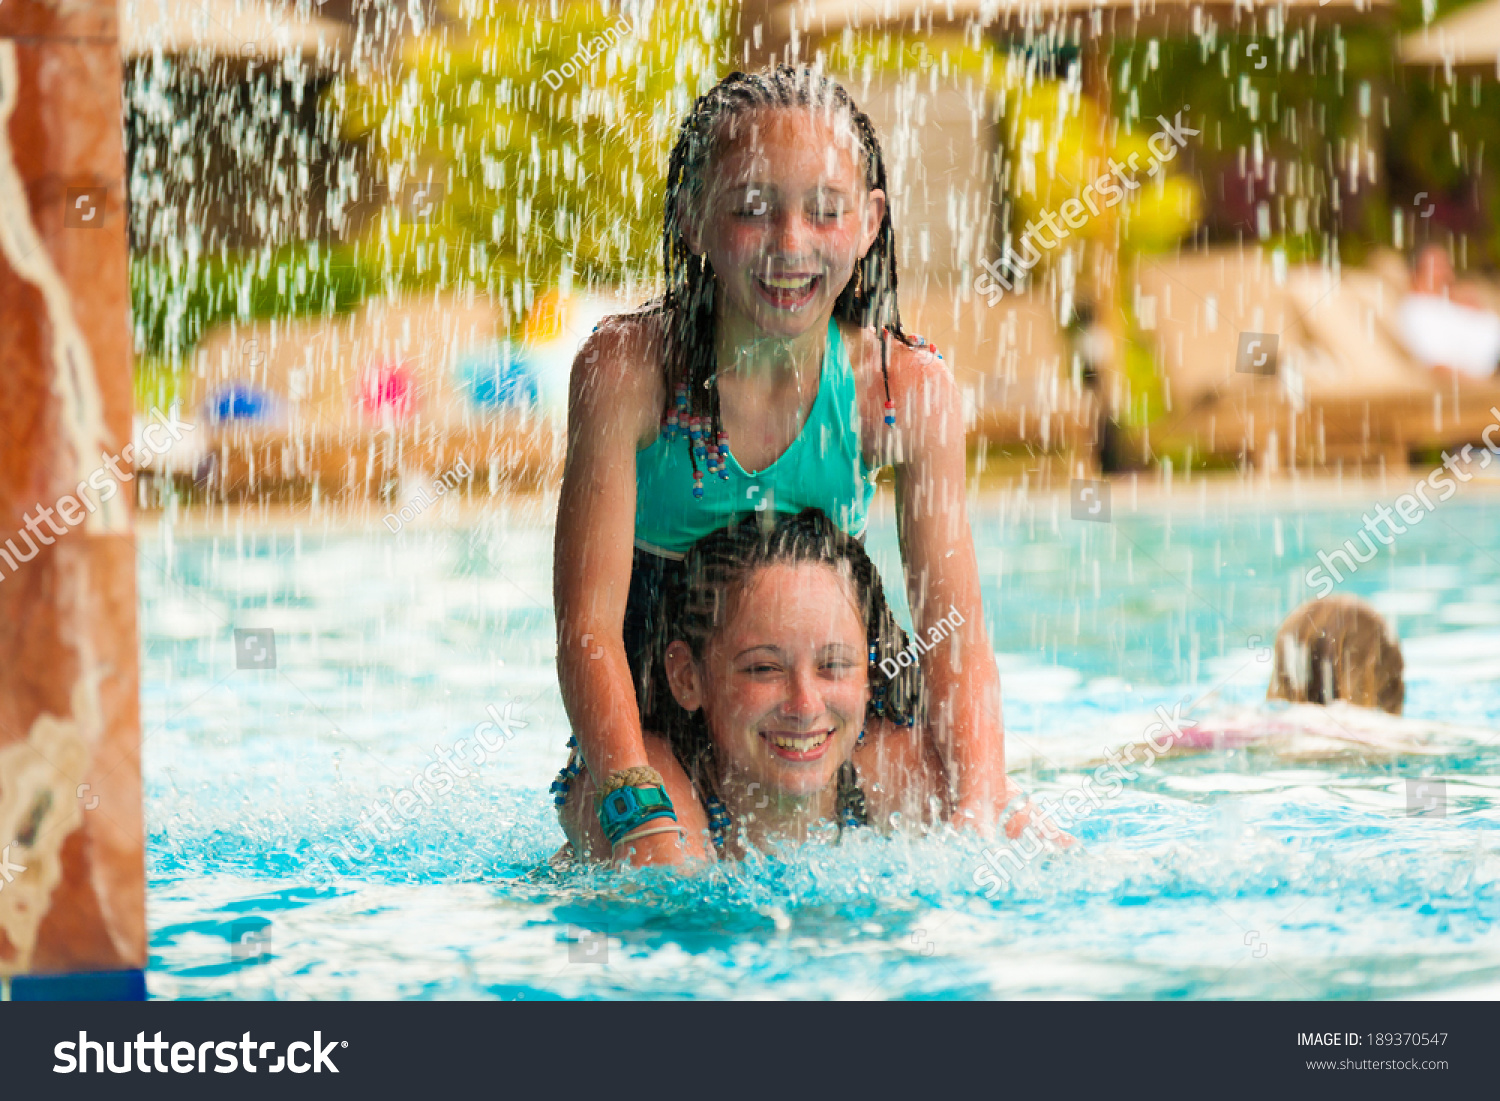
824, 468
777, 230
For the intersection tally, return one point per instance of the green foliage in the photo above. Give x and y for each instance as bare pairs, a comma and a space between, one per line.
1147, 402
542, 178
174, 303
1347, 94
1300, 105
1444, 144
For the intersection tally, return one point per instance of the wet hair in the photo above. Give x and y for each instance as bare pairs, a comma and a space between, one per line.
1337, 648
868, 300
698, 602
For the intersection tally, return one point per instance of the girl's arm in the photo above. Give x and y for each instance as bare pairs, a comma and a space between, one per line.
610, 411
901, 774
581, 823
942, 580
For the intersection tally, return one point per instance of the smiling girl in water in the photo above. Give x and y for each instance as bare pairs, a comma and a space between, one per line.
772, 376
777, 722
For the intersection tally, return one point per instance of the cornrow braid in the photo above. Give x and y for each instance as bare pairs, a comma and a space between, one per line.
696, 605
869, 300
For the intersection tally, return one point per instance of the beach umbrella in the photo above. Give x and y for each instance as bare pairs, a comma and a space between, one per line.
826, 16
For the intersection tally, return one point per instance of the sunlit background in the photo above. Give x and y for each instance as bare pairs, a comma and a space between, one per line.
367, 240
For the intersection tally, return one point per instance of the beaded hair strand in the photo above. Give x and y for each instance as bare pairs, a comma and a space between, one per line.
697, 605
868, 300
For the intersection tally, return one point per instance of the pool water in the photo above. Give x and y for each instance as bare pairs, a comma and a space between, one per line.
1295, 870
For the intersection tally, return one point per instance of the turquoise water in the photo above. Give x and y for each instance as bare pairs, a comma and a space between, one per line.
1290, 871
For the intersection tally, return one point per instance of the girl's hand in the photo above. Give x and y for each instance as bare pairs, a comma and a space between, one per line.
1029, 814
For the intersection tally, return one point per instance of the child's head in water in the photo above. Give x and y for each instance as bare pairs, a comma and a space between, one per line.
766, 649
1337, 648
776, 218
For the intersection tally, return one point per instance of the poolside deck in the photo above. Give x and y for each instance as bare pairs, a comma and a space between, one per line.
1343, 395
340, 420
1344, 390
1014, 365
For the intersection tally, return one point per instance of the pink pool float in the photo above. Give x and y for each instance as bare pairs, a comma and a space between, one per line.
388, 389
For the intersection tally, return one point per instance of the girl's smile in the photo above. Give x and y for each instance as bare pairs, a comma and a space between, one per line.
791, 746
784, 221
788, 292
784, 684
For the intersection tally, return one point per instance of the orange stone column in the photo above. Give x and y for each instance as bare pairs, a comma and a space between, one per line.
72, 874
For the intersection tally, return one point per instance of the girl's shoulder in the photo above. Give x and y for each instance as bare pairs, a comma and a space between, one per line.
900, 772
911, 370
618, 371
627, 343
906, 364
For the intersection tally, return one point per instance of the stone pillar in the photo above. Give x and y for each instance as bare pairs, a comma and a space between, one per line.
72, 876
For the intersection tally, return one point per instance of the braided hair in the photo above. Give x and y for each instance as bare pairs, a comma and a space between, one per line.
868, 300
696, 606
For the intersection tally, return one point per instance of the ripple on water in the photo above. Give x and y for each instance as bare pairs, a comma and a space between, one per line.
1293, 870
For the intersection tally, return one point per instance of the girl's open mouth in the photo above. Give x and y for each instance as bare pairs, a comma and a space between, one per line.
788, 292
799, 747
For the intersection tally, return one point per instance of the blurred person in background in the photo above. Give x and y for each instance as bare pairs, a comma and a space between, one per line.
1443, 324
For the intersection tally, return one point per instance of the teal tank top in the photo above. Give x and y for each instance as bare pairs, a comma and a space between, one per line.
823, 468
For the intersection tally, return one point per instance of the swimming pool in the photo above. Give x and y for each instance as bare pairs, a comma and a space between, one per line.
1222, 874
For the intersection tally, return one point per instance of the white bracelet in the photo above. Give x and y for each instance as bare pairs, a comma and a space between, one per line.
645, 833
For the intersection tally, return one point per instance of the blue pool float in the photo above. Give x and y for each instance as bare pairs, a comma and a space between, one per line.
496, 377
241, 401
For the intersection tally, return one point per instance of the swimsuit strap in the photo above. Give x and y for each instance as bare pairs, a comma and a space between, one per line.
823, 466
851, 810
